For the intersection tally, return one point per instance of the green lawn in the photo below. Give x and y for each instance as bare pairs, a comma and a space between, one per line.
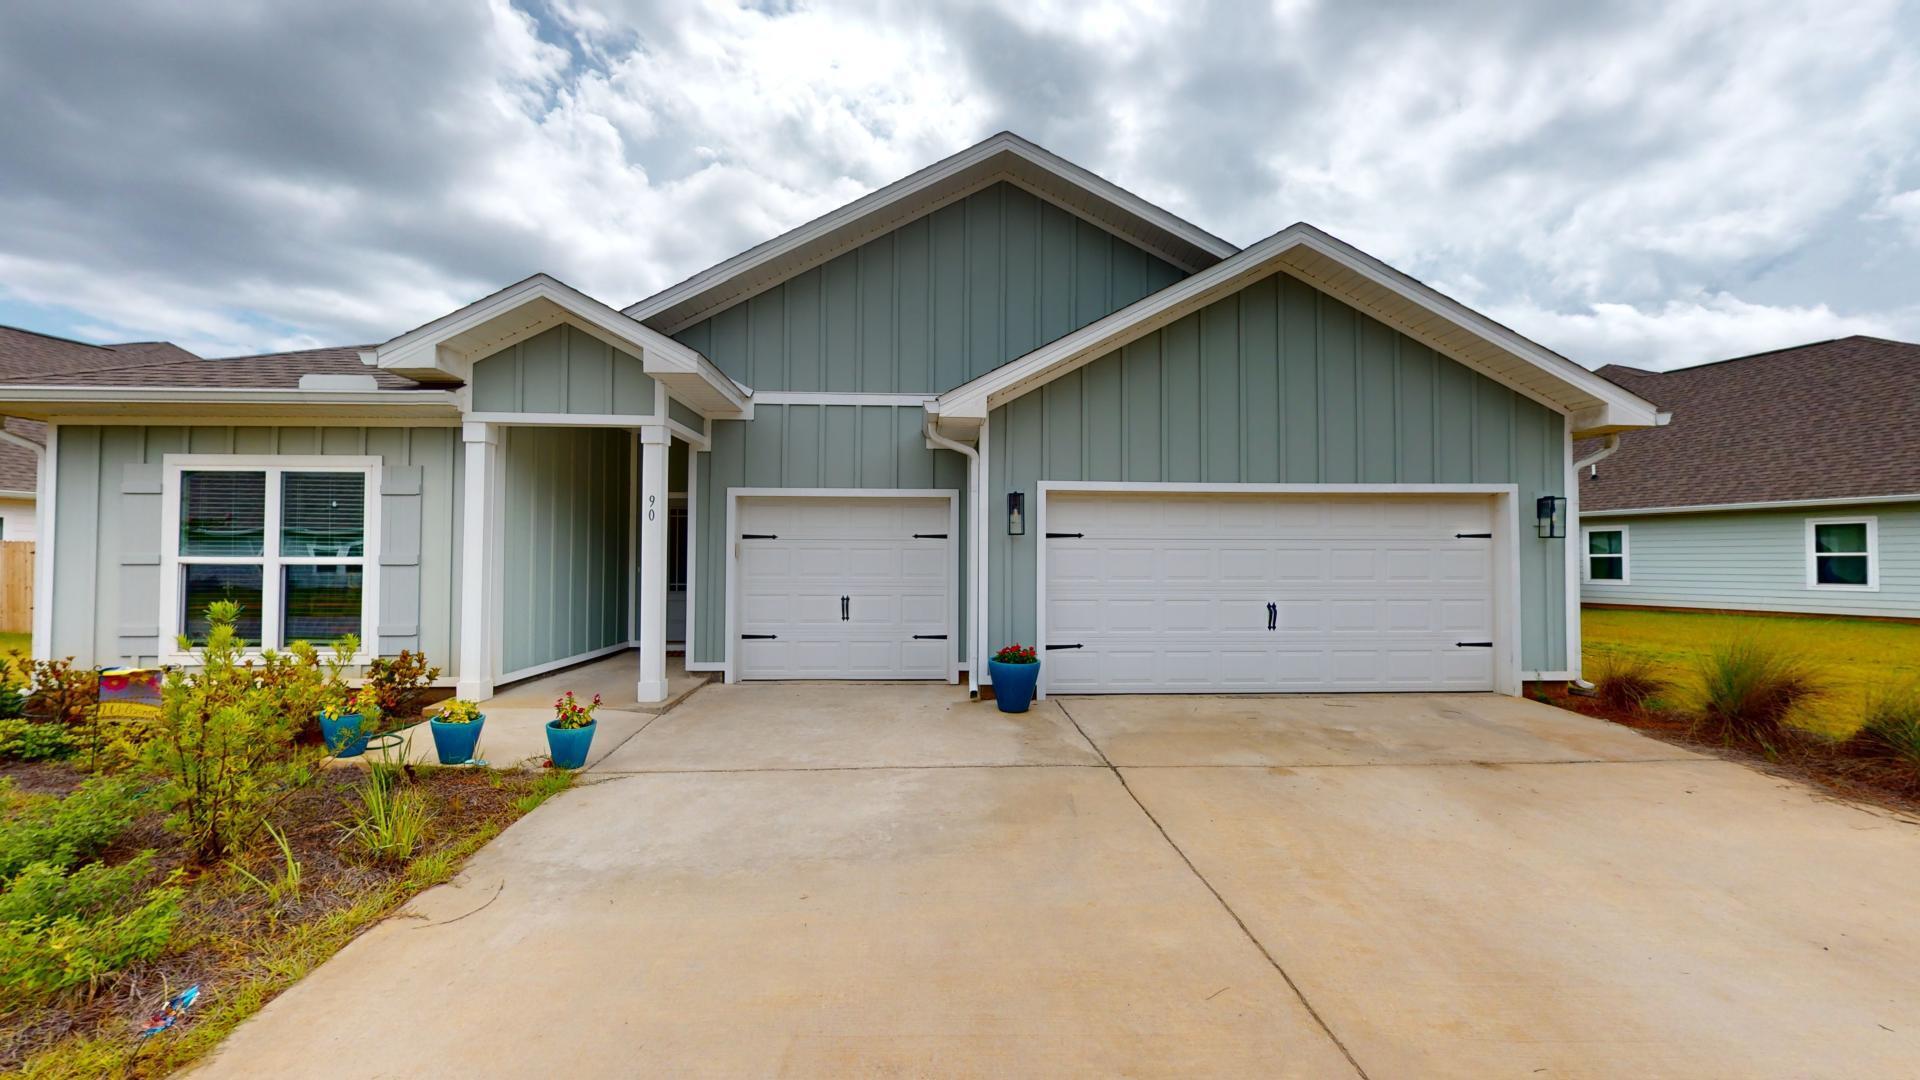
1855, 654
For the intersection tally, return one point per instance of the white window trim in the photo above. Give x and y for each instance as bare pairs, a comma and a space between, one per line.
272, 561
1873, 553
1586, 557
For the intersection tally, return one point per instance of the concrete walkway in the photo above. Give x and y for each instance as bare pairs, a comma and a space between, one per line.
812, 880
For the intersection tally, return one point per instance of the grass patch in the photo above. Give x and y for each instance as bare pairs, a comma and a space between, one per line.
1745, 691
1851, 656
253, 928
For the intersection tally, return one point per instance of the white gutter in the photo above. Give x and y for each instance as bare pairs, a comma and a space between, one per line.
975, 587
1610, 444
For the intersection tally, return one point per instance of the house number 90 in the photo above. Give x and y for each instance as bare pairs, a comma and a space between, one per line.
651, 499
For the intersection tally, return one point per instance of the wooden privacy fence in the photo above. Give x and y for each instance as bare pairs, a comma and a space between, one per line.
16, 586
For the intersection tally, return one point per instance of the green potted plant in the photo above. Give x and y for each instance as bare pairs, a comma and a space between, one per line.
570, 732
456, 731
1016, 671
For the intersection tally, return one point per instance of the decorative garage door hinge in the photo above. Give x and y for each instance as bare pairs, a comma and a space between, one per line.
1066, 536
758, 536
1050, 648
929, 637
929, 536
758, 637
1473, 536
1473, 644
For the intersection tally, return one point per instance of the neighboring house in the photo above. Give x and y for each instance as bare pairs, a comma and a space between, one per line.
1788, 481
1001, 400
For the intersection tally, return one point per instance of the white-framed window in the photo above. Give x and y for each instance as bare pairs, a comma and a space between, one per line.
293, 539
1843, 553
1603, 560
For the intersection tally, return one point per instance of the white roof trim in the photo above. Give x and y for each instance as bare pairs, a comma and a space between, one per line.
1593, 404
448, 346
987, 161
1779, 504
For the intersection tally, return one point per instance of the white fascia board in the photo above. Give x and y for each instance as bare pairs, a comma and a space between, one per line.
1782, 504
113, 403
1618, 407
926, 185
428, 348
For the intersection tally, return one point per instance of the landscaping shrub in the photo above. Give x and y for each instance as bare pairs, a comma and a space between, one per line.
59, 693
1746, 689
225, 745
63, 832
399, 685
29, 740
62, 928
1890, 725
1628, 682
391, 821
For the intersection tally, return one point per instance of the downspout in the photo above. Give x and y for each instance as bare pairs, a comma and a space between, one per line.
43, 487
1608, 445
930, 428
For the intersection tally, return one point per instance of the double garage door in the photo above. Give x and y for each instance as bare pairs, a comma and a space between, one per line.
1190, 593
845, 588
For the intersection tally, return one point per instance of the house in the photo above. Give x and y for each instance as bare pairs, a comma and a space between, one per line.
1001, 400
1789, 481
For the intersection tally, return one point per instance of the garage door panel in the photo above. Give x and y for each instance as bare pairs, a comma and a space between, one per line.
1170, 592
841, 588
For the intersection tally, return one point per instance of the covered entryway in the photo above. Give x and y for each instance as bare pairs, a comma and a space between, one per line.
844, 585
1168, 591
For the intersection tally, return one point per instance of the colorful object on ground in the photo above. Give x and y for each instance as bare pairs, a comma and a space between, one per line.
130, 694
170, 1013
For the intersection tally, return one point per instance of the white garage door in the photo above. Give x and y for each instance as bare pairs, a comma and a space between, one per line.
1205, 593
844, 588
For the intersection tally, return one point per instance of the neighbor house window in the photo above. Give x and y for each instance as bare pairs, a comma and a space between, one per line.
1843, 553
1606, 555
288, 539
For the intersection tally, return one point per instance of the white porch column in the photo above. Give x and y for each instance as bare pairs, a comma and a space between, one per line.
477, 552
653, 563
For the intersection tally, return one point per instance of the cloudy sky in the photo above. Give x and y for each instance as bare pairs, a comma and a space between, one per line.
1660, 183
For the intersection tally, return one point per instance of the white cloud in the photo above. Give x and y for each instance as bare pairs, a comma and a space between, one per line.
1687, 330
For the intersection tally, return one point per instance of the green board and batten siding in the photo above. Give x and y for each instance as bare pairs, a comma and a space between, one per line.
562, 370
943, 299
564, 571
1756, 560
108, 524
1279, 383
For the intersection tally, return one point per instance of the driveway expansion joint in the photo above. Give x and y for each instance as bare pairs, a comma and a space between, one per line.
1245, 930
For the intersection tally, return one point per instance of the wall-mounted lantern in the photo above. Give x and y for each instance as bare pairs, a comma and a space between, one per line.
1551, 510
1016, 513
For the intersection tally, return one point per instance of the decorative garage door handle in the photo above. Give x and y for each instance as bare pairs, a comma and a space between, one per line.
1473, 536
1473, 644
1065, 536
1273, 615
1050, 648
929, 536
843, 609
929, 637
758, 637
758, 536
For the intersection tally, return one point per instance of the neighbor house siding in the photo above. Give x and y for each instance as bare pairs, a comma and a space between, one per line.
1280, 383
1757, 561
106, 592
942, 299
808, 446
562, 370
564, 572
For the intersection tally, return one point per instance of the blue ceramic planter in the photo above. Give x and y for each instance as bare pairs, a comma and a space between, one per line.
455, 742
346, 736
569, 745
1013, 684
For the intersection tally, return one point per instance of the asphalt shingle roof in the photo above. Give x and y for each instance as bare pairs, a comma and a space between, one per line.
1835, 419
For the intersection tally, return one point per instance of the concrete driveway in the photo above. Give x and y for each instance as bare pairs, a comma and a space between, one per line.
885, 880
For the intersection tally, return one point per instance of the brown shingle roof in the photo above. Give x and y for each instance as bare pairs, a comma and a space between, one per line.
1835, 419
267, 371
19, 467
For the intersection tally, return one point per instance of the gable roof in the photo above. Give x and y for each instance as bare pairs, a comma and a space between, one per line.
1825, 422
1594, 405
1002, 157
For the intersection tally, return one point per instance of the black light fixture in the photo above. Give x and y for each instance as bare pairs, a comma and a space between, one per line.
1551, 512
1016, 513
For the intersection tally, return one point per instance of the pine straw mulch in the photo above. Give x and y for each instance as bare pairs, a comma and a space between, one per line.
1804, 756
239, 946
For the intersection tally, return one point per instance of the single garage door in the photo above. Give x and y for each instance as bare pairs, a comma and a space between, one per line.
844, 588
1184, 593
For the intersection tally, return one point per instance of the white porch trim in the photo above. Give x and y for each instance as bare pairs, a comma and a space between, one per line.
655, 440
